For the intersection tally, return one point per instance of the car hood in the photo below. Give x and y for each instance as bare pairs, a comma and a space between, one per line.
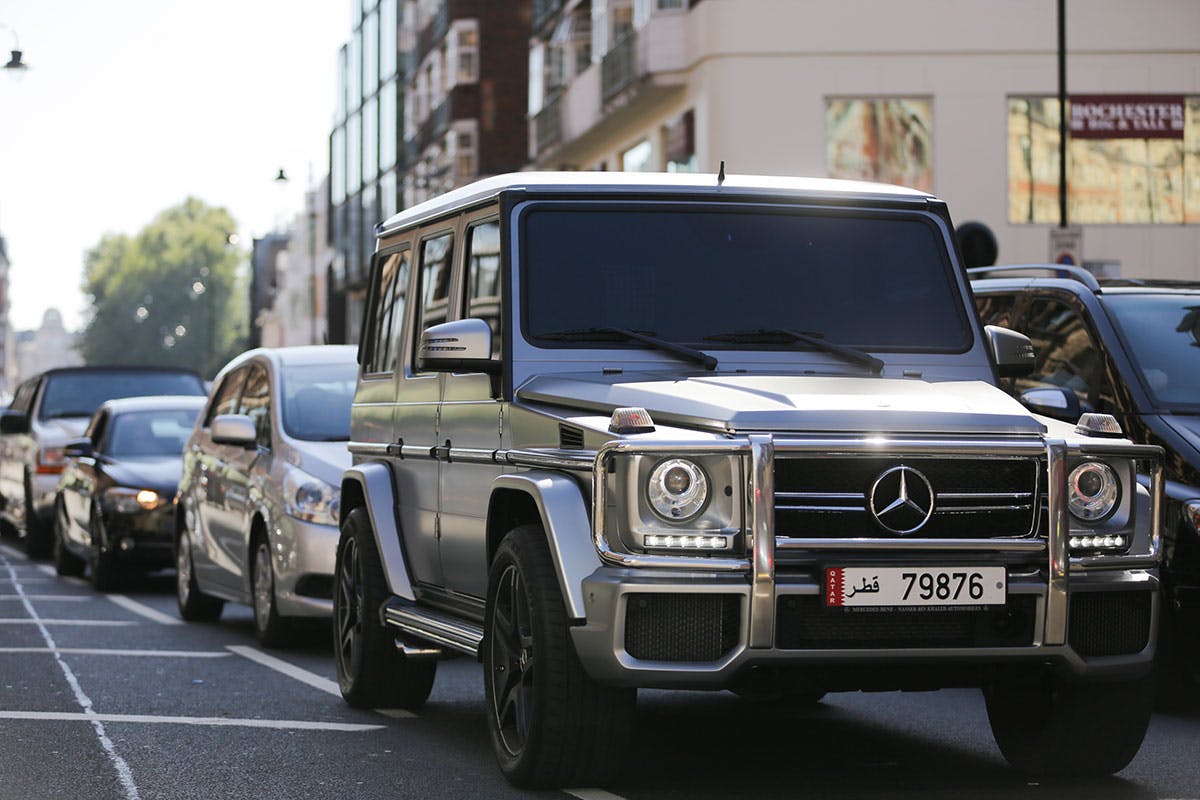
160, 473
740, 403
324, 460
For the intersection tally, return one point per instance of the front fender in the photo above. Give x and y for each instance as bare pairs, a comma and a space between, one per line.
564, 515
374, 481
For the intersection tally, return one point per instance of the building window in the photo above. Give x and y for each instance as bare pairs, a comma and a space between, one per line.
353, 154
387, 126
637, 158
387, 195
1127, 178
337, 167
464, 50
370, 34
884, 140
462, 141
680, 139
370, 140
387, 40
354, 73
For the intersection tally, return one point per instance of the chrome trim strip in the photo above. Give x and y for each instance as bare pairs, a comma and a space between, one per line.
984, 495
950, 448
416, 451
761, 537
829, 509
977, 509
1060, 563
820, 496
972, 545
472, 455
367, 448
576, 461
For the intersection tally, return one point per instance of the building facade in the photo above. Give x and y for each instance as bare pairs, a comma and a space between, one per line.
6, 345
954, 98
46, 347
432, 95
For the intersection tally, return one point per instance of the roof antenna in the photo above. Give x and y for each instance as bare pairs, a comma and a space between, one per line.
721, 174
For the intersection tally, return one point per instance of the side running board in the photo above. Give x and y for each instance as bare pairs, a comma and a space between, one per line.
433, 626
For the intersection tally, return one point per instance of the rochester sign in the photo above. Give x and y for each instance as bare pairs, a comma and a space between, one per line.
1113, 116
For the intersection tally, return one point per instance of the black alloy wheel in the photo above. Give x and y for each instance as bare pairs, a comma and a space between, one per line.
372, 672
551, 725
66, 563
102, 561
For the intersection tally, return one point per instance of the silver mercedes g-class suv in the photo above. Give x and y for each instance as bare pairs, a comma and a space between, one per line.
616, 431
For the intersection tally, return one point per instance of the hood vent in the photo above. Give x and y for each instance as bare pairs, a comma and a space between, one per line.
570, 437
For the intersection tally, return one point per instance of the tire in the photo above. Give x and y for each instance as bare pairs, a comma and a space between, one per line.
272, 630
66, 563
371, 671
194, 605
38, 540
102, 562
1054, 728
551, 725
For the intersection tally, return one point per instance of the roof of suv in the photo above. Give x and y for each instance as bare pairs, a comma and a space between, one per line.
1075, 278
825, 189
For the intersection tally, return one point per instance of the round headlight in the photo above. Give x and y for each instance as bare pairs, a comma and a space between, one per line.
1092, 491
678, 489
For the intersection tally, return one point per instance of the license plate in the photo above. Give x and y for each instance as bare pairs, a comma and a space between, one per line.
915, 586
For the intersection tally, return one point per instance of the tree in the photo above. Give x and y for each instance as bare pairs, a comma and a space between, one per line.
168, 296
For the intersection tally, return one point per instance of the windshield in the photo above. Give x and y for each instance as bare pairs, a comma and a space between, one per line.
78, 394
1162, 332
693, 276
316, 401
161, 432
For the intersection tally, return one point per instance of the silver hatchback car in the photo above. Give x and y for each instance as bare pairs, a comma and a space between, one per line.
257, 511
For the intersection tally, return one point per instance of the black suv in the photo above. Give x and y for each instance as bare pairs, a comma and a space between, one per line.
1129, 348
49, 410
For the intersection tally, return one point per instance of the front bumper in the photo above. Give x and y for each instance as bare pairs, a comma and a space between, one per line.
142, 538
673, 630
304, 567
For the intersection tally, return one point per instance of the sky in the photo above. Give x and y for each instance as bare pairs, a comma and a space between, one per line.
131, 106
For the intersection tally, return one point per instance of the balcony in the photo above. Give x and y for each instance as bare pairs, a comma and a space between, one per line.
618, 69
547, 124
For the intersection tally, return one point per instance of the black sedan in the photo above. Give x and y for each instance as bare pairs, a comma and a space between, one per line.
114, 508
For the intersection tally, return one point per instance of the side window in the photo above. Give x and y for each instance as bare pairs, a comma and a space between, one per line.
383, 340
483, 277
1067, 355
23, 401
434, 287
256, 402
95, 430
226, 399
996, 309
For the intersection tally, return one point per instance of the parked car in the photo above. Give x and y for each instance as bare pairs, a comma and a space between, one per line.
1129, 348
256, 521
49, 410
114, 513
616, 431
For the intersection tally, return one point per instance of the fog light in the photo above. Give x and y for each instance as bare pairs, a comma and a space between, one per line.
1107, 542
685, 541
126, 544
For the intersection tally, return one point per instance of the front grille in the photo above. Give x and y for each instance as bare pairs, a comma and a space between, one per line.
972, 498
1109, 623
681, 627
804, 623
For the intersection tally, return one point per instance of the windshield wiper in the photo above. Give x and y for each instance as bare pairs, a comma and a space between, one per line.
682, 351
766, 335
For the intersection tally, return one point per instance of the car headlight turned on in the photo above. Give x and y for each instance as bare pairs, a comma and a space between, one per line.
309, 498
677, 489
127, 500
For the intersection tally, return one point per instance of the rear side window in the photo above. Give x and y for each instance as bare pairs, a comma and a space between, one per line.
383, 340
79, 394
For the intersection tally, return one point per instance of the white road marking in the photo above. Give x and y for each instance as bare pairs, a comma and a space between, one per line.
98, 623
95, 651
11, 553
145, 610
291, 670
593, 794
46, 568
279, 724
310, 678
124, 774
54, 597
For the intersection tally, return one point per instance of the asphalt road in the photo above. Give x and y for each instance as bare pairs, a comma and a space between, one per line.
114, 697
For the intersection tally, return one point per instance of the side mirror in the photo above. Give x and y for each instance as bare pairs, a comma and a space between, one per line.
78, 448
464, 345
234, 429
14, 421
1012, 351
1057, 402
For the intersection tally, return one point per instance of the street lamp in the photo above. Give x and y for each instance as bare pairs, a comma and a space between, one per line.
15, 65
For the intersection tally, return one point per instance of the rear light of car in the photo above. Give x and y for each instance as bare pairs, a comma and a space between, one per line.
50, 461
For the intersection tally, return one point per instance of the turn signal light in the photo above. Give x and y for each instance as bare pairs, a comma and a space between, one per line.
1097, 542
685, 541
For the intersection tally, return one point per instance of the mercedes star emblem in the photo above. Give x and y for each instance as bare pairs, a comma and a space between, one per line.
901, 500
